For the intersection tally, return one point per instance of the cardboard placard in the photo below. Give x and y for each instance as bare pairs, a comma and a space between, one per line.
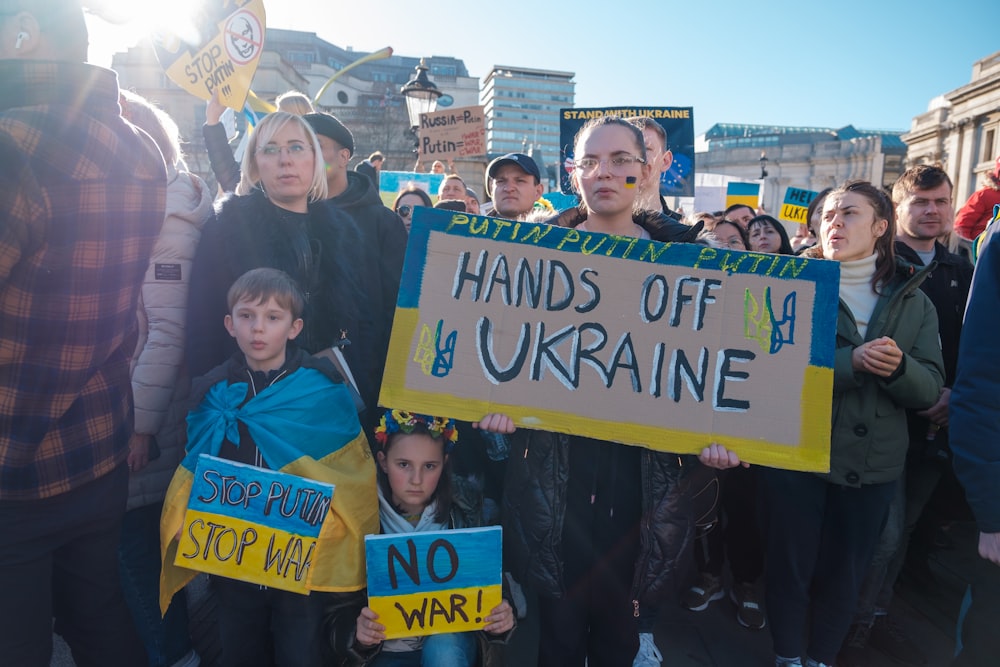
452, 133
668, 346
796, 205
677, 122
221, 55
433, 582
391, 183
252, 524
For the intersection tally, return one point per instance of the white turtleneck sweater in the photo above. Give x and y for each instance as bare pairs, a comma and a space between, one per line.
856, 289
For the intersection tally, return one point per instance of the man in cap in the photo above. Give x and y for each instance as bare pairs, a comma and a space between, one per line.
515, 184
82, 198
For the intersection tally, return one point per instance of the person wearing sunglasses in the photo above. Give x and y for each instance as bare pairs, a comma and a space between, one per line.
406, 200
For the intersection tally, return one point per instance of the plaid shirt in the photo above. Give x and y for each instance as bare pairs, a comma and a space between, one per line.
82, 196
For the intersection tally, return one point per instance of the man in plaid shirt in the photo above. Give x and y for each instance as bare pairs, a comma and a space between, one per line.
82, 197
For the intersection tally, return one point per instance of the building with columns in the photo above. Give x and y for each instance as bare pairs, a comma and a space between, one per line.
961, 130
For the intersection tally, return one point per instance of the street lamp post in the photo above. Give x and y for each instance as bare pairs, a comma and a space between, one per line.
421, 97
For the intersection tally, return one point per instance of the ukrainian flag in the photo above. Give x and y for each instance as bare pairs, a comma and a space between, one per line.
304, 425
742, 193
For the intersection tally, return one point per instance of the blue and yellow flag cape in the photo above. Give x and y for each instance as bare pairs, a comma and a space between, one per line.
977, 243
304, 425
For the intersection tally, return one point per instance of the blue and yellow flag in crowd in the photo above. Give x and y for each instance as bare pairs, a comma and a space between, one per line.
304, 425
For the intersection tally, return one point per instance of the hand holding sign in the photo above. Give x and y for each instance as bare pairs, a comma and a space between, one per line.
223, 55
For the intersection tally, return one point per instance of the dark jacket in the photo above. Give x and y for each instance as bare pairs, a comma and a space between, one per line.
535, 504
220, 157
660, 227
974, 419
367, 169
869, 439
319, 250
379, 259
947, 286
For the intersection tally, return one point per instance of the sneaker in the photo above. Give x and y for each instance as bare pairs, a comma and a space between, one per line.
707, 588
812, 663
191, 659
889, 638
854, 652
787, 662
648, 655
748, 609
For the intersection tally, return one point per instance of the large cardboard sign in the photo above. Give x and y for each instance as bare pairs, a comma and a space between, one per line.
434, 582
796, 205
668, 346
677, 122
252, 524
747, 194
452, 133
221, 55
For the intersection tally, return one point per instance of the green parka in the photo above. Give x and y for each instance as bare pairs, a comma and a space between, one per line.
869, 437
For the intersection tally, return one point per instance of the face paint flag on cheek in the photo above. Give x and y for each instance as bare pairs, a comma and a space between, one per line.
630, 181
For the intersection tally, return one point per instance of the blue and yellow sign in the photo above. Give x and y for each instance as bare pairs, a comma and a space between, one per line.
667, 346
434, 582
796, 205
252, 524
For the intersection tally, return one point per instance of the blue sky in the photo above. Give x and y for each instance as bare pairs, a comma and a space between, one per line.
874, 63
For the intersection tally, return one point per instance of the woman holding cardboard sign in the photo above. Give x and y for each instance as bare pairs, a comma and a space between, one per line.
823, 528
595, 527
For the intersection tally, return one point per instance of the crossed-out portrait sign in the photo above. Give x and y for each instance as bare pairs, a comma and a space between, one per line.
432, 582
252, 524
668, 346
221, 53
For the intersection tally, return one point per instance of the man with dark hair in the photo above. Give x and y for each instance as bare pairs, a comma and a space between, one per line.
922, 198
515, 184
659, 157
371, 167
741, 214
82, 199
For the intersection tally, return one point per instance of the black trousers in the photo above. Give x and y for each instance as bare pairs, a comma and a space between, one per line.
267, 627
737, 535
59, 558
820, 542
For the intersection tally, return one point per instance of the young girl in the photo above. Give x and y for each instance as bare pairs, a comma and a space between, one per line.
416, 494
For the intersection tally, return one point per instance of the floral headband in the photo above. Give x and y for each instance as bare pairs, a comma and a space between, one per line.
400, 421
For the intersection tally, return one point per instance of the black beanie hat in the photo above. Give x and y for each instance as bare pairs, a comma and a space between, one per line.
328, 125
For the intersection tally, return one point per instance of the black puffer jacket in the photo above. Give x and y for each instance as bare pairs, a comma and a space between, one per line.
379, 257
318, 250
535, 502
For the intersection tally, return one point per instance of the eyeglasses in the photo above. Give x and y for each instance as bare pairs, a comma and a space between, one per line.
294, 150
617, 165
404, 210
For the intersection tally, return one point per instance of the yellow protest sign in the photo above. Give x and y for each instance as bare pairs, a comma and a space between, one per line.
221, 56
433, 582
668, 346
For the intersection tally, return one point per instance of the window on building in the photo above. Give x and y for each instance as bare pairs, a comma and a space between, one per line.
444, 70
988, 146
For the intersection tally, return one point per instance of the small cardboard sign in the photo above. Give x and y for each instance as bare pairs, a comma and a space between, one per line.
452, 133
221, 55
391, 183
252, 524
796, 205
667, 346
434, 582
677, 122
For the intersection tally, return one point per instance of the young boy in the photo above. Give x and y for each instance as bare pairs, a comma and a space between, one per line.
294, 413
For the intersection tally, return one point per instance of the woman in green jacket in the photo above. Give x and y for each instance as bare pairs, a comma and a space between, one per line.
822, 529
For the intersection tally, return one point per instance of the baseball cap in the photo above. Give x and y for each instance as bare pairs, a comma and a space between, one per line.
526, 164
